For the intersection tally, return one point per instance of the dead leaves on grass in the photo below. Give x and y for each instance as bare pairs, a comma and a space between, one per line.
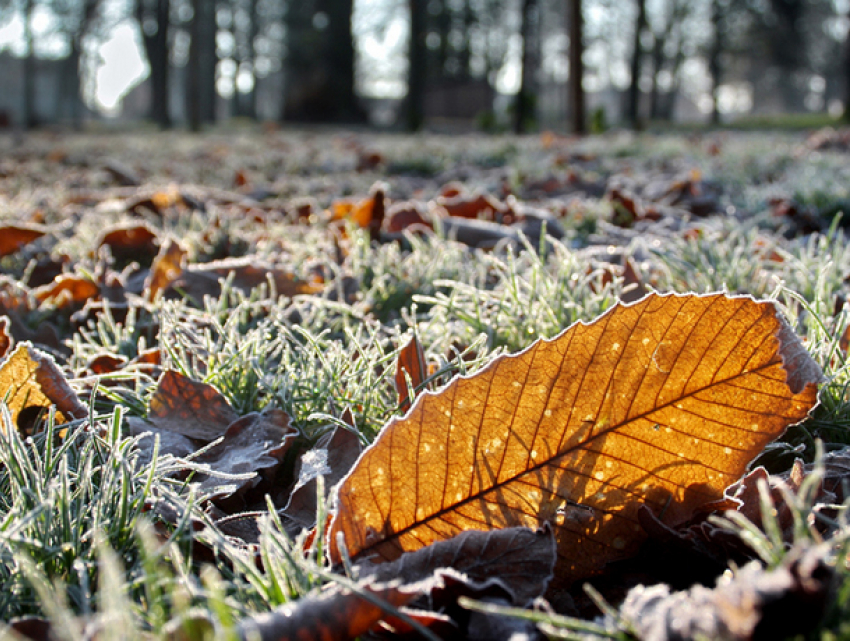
187, 415
31, 383
662, 403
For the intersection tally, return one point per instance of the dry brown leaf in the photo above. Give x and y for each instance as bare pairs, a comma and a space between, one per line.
190, 408
331, 457
5, 337
660, 403
522, 558
66, 290
13, 237
167, 266
31, 382
411, 363
131, 241
188, 414
247, 273
754, 604
255, 442
334, 615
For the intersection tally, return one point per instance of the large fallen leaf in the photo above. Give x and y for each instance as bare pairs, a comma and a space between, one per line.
30, 382
660, 403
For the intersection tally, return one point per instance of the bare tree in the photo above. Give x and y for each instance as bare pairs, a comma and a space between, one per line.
201, 68
154, 19
576, 26
29, 116
633, 103
416, 65
525, 97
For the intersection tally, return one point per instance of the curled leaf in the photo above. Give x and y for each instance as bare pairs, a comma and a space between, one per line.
31, 382
660, 403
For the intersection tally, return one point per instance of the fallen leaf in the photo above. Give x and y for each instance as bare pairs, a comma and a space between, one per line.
755, 604
31, 382
188, 414
334, 614
476, 206
331, 457
660, 403
411, 366
521, 558
167, 266
255, 442
13, 237
5, 338
190, 408
67, 290
131, 241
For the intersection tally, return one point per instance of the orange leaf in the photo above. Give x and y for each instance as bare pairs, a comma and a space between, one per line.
411, 359
67, 289
31, 382
13, 237
167, 266
660, 403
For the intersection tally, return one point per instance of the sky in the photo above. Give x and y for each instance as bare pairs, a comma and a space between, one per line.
120, 66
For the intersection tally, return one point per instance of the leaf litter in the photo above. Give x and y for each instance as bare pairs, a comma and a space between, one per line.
559, 464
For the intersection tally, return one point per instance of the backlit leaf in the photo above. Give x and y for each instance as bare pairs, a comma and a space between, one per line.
30, 382
660, 403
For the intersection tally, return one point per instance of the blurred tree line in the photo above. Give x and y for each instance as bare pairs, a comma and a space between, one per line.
577, 61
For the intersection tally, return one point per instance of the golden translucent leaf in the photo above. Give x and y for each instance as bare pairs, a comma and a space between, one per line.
660, 403
30, 382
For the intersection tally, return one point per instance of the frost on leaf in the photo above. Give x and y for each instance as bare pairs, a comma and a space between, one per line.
30, 382
661, 403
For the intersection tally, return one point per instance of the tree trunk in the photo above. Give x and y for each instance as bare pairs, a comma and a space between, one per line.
633, 104
253, 31
846, 115
714, 69
320, 80
416, 66
577, 102
525, 97
30, 120
201, 93
155, 42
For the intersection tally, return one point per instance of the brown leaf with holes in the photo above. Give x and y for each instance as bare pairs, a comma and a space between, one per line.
411, 366
661, 403
30, 382
13, 237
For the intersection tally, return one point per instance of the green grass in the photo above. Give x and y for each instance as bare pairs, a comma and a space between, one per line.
85, 532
